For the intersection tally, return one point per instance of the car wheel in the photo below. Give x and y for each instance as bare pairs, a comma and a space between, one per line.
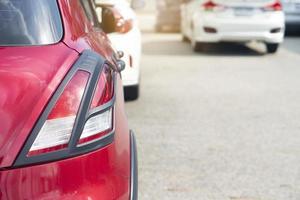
198, 46
131, 93
272, 48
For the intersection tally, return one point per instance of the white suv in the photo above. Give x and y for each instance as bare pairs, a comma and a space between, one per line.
212, 21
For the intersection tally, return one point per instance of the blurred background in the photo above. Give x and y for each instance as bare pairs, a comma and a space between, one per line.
220, 122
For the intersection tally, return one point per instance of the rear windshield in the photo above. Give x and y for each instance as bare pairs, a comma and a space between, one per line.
29, 22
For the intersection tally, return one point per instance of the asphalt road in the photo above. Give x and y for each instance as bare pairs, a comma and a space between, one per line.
221, 125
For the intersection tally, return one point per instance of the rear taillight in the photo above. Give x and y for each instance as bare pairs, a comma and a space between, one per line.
79, 117
212, 6
101, 124
276, 6
97, 127
56, 131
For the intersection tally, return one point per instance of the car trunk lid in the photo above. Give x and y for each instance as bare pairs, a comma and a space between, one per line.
242, 9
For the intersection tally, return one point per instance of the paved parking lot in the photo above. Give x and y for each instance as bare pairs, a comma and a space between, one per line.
223, 125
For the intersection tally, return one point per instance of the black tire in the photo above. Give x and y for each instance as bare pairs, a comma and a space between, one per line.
199, 47
272, 48
131, 93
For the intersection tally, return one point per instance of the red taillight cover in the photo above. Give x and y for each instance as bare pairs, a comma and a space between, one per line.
276, 6
104, 90
64, 111
79, 116
209, 5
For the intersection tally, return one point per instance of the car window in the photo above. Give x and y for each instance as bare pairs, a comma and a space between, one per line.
30, 22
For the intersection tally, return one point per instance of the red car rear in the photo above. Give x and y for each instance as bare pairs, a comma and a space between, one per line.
63, 129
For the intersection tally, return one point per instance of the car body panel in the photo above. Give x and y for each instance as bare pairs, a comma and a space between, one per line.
28, 78
79, 38
102, 174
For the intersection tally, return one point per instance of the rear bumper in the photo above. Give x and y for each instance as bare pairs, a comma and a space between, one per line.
133, 169
239, 30
105, 174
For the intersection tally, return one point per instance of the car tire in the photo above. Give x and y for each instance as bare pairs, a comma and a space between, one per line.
131, 93
198, 46
272, 48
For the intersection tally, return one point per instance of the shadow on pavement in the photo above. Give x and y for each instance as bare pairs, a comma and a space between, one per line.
292, 44
292, 31
179, 48
230, 49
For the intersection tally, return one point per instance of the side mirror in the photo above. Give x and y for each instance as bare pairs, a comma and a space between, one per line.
108, 23
137, 4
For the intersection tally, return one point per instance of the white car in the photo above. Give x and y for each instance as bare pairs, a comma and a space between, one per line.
207, 21
125, 37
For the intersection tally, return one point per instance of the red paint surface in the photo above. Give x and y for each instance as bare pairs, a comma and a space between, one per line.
28, 78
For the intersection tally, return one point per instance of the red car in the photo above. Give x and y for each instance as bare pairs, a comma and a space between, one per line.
63, 129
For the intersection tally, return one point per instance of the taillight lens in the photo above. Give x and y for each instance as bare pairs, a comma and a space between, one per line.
56, 132
212, 6
79, 117
101, 124
97, 127
104, 90
276, 6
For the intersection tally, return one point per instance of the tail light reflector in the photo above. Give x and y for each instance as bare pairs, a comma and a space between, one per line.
276, 6
97, 126
130, 61
212, 6
104, 90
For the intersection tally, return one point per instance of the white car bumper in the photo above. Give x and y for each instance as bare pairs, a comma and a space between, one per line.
239, 29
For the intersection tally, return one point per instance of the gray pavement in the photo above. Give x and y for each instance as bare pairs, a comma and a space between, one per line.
221, 125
